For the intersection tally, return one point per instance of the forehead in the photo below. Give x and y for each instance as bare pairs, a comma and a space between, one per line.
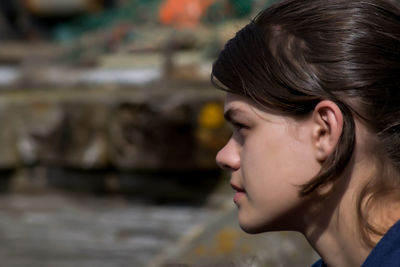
241, 105
237, 101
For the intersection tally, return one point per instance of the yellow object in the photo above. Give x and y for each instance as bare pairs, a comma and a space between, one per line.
211, 116
200, 250
226, 240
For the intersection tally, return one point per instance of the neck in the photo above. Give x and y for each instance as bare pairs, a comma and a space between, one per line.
335, 235
339, 245
333, 228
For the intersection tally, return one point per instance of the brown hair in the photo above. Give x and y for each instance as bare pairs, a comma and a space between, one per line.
299, 52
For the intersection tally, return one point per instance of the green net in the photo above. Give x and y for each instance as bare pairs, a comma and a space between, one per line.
138, 11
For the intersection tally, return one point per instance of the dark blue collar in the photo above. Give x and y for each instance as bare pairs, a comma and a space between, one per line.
386, 253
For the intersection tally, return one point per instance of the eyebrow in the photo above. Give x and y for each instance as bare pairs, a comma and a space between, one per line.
230, 113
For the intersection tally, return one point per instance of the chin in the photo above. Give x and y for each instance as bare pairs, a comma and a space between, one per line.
256, 229
252, 228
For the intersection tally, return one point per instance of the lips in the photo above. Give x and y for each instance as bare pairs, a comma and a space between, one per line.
237, 188
240, 193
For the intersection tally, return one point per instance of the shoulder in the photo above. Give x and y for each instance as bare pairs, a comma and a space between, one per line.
387, 251
319, 263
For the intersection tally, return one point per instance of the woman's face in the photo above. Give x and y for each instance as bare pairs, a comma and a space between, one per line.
269, 157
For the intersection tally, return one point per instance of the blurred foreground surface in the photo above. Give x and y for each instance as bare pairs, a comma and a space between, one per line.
56, 230
65, 230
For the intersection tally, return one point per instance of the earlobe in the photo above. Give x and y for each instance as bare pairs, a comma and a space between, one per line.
327, 129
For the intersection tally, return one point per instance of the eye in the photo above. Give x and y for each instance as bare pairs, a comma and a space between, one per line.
239, 127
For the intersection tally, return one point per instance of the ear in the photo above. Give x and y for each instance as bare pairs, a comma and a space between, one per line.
327, 128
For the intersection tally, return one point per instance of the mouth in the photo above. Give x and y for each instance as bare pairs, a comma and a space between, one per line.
240, 193
238, 189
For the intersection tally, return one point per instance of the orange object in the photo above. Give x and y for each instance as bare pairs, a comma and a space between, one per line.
183, 13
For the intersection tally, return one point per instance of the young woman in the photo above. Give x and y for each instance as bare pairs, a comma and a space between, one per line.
313, 94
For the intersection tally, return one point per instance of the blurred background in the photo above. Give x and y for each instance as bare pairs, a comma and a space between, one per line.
109, 131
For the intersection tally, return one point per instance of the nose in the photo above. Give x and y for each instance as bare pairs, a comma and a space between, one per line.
228, 157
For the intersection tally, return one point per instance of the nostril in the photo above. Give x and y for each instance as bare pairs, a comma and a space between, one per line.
219, 163
220, 159
225, 167
222, 166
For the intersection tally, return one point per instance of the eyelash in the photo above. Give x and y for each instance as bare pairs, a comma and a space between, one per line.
238, 126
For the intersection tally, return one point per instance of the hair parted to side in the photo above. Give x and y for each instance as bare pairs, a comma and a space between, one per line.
299, 52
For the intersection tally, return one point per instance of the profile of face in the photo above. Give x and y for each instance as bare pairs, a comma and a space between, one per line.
270, 156
315, 119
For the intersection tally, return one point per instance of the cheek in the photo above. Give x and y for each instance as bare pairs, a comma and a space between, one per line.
279, 160
298, 164
262, 165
